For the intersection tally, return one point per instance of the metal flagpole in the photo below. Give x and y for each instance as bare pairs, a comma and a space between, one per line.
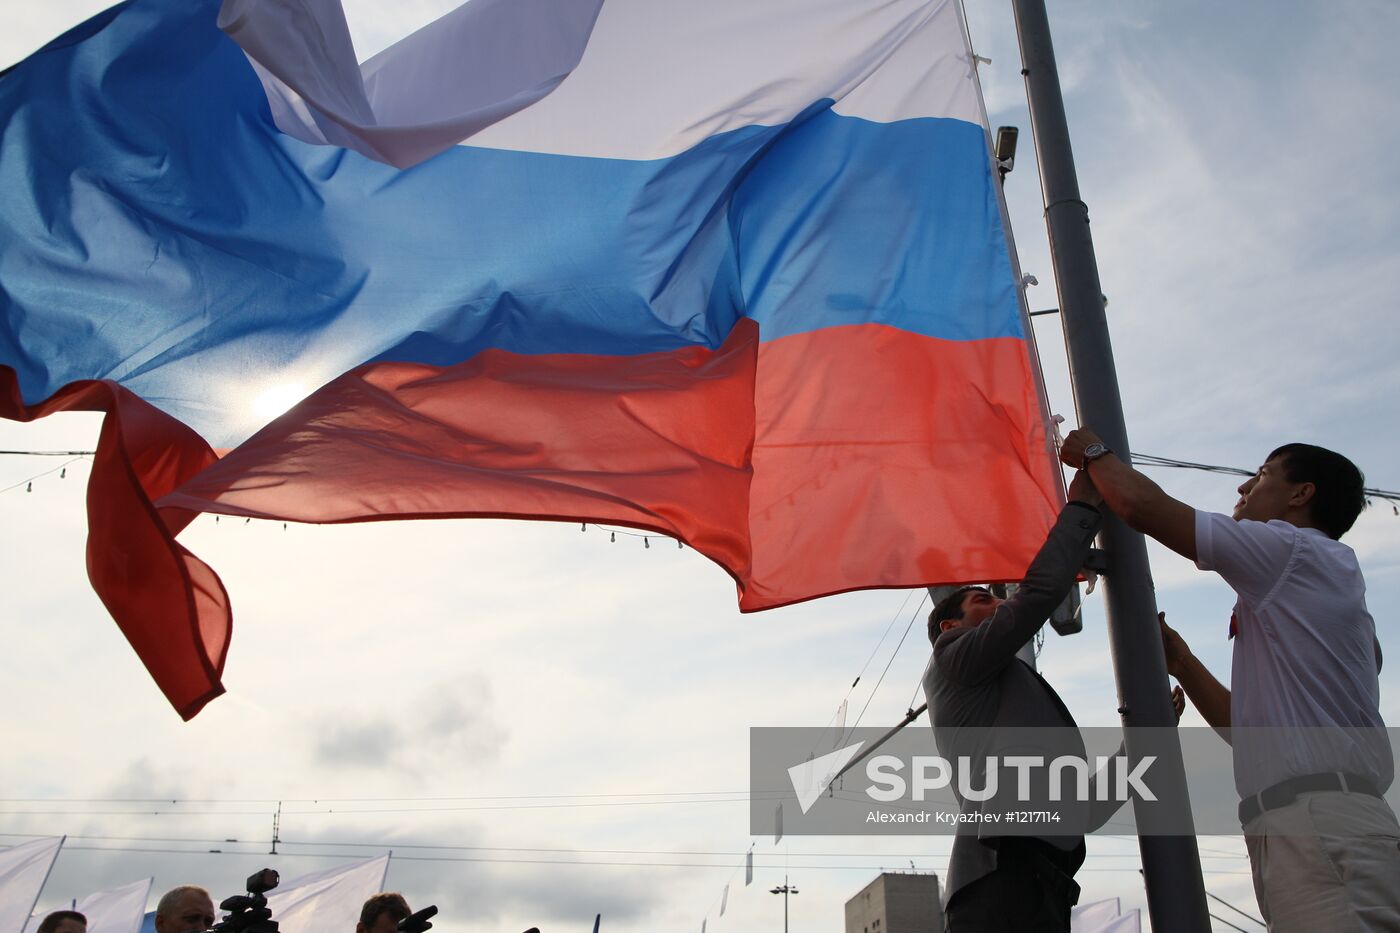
1171, 864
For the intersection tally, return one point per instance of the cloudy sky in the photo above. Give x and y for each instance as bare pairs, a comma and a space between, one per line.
542, 724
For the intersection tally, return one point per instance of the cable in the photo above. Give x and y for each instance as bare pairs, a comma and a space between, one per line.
686, 793
26, 482
529, 861
918, 686
396, 845
1227, 923
746, 798
1247, 916
893, 655
1138, 459
1151, 460
845, 699
893, 619
523, 806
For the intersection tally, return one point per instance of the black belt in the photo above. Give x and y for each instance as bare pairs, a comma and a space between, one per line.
1285, 792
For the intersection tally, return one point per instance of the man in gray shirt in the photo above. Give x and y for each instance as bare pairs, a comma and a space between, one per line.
984, 701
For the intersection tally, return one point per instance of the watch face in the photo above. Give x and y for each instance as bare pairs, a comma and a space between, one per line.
1094, 450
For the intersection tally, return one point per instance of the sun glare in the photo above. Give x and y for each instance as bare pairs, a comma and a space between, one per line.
278, 399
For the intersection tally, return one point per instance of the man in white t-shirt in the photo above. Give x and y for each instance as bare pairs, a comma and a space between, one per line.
1312, 757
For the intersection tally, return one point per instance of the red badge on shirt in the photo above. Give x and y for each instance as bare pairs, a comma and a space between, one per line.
1234, 625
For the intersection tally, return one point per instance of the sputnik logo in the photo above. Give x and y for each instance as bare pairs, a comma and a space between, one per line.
811, 778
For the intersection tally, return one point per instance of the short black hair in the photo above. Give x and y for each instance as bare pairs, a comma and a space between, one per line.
1339, 488
388, 902
949, 607
51, 922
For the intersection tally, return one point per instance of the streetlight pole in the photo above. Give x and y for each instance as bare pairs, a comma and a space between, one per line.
785, 889
1172, 865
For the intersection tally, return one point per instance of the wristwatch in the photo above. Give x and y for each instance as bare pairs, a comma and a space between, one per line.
1093, 452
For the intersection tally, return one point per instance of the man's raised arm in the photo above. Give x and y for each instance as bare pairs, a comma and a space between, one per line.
1132, 496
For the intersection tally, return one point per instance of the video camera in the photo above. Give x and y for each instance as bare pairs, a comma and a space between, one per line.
418, 923
249, 913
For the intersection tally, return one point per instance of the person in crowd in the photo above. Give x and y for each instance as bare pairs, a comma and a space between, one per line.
382, 913
1311, 753
63, 921
185, 909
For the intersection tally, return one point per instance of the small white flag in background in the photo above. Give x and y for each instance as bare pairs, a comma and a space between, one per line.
748, 868
23, 871
778, 825
327, 901
724, 900
116, 910
1131, 922
1088, 918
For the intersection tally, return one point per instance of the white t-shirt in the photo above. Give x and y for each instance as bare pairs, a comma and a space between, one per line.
1305, 654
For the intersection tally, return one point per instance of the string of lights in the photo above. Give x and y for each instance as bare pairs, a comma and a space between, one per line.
61, 470
646, 536
1147, 460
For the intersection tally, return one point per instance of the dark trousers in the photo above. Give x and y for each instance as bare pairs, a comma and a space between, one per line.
1031, 891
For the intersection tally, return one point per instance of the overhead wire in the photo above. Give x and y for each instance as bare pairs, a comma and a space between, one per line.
552, 862
864, 667
689, 793
431, 809
1226, 922
25, 482
397, 845
1138, 459
1247, 916
893, 619
894, 654
1152, 460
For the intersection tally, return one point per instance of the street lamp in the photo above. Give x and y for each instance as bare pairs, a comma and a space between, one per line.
785, 889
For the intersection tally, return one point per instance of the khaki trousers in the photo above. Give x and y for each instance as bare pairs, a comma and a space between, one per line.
1328, 861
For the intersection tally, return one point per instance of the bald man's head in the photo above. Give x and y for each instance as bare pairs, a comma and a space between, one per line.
186, 909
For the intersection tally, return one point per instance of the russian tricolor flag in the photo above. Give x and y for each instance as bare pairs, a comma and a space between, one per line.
734, 272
